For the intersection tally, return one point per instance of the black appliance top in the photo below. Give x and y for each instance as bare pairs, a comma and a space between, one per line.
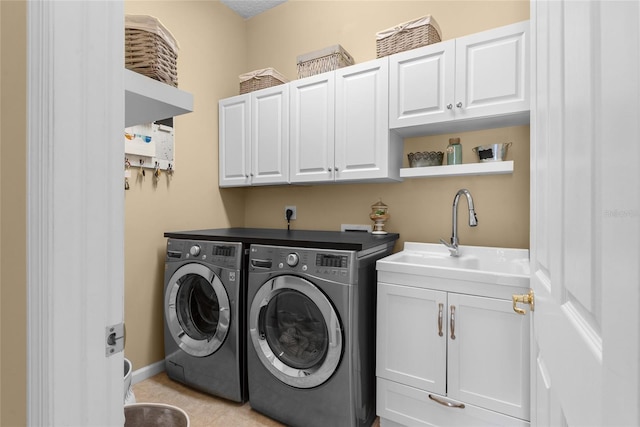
347, 240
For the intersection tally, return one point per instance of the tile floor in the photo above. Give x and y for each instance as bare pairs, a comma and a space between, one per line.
203, 410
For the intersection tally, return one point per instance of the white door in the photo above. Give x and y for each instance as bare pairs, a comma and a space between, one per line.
312, 136
270, 135
234, 123
75, 235
585, 213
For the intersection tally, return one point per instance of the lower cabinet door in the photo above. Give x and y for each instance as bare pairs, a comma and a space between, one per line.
412, 336
488, 361
401, 405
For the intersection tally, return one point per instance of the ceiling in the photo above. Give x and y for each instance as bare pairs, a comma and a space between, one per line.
250, 8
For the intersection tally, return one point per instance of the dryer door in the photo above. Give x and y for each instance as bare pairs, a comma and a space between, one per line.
197, 309
295, 331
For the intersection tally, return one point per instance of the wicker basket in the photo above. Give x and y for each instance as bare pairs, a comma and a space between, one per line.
150, 49
260, 79
321, 61
409, 35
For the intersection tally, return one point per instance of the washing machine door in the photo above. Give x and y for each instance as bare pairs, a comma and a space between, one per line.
295, 331
197, 309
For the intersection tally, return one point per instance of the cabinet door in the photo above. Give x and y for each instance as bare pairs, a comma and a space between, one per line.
234, 145
422, 85
362, 121
488, 360
270, 135
411, 344
492, 72
312, 128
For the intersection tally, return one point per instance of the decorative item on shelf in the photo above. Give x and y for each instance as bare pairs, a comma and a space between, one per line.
408, 35
454, 152
150, 49
260, 79
323, 60
379, 215
425, 158
492, 152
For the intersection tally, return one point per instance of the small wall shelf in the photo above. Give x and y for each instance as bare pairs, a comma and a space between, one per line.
487, 168
148, 100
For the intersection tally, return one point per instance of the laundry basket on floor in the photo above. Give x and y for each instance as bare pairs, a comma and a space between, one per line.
154, 415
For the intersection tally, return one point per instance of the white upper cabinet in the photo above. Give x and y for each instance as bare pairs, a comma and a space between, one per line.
254, 138
270, 136
422, 83
364, 147
312, 102
234, 145
340, 126
440, 87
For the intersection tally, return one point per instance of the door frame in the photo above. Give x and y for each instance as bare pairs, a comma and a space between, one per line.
75, 211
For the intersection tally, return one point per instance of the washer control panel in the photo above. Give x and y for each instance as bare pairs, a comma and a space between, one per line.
327, 264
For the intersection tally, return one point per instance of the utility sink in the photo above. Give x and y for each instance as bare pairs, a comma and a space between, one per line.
475, 263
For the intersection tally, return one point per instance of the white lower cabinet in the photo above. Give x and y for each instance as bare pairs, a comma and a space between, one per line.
448, 358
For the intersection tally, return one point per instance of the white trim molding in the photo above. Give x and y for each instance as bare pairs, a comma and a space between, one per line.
75, 212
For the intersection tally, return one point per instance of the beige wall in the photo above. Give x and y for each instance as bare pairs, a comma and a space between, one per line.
278, 36
212, 54
13, 125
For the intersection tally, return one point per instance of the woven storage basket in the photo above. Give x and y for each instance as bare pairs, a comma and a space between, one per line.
409, 35
323, 60
260, 79
150, 49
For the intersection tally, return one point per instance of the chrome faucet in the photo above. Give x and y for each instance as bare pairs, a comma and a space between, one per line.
473, 221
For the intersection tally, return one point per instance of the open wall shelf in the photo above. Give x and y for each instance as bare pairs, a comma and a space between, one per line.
148, 100
486, 168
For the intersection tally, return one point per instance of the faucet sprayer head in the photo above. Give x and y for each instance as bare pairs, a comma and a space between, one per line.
473, 219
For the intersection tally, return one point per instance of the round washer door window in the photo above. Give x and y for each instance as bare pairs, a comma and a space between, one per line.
197, 310
295, 331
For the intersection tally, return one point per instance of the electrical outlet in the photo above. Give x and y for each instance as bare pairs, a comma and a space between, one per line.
293, 208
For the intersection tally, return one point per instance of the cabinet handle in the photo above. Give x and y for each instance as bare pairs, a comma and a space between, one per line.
449, 106
440, 316
336, 168
445, 403
459, 105
453, 322
329, 169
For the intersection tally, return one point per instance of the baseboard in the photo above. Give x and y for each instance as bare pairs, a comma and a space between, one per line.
147, 372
